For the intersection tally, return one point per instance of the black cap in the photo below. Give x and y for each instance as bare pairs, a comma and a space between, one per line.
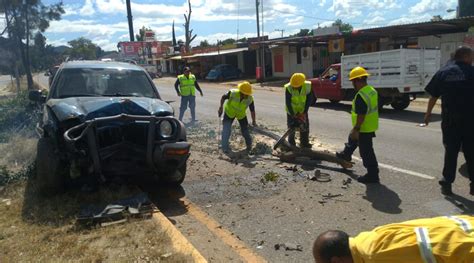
186, 69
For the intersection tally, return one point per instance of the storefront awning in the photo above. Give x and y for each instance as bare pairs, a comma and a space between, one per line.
217, 53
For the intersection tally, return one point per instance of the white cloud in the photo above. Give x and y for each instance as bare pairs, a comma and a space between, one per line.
355, 8
374, 20
295, 21
87, 9
409, 19
439, 6
56, 42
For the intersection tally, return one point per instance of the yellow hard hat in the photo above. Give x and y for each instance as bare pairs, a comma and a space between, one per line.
358, 72
245, 88
297, 80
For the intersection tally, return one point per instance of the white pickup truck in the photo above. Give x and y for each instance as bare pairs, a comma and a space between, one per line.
398, 75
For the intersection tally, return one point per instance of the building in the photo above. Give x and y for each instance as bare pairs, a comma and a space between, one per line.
313, 54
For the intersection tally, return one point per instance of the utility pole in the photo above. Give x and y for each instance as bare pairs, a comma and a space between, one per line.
130, 21
263, 46
280, 30
258, 38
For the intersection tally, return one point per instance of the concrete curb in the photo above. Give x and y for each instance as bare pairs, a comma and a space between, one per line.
180, 243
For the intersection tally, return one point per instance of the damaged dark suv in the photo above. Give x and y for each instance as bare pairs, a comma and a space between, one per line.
106, 119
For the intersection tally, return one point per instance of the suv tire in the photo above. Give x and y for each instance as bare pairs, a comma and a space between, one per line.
49, 169
177, 178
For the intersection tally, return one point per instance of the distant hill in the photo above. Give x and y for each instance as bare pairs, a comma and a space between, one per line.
61, 49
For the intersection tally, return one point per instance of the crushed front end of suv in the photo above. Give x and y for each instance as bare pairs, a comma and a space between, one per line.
106, 119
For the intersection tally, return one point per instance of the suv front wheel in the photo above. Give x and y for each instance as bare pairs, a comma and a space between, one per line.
50, 170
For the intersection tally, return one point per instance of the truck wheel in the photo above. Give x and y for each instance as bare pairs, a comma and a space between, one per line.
177, 178
334, 101
401, 103
50, 170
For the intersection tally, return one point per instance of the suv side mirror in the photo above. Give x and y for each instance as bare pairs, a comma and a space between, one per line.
37, 96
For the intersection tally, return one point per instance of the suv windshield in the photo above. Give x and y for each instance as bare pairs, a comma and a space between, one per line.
75, 82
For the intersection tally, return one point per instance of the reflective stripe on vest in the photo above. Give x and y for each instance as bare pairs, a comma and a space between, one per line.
370, 97
298, 97
424, 244
236, 108
186, 85
464, 224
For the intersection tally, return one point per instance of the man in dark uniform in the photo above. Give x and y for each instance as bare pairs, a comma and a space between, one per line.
454, 83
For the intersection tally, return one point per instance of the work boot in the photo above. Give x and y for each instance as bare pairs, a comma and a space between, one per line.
366, 179
343, 156
306, 145
446, 189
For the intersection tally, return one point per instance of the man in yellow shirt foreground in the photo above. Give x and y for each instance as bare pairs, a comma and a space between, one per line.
433, 240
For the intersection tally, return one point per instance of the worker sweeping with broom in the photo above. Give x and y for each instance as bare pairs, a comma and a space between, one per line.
235, 103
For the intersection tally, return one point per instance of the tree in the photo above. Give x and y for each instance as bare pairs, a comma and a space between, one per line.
188, 33
303, 32
204, 43
141, 33
228, 41
82, 48
343, 27
23, 19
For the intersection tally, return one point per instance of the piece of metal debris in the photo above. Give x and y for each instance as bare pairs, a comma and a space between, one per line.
289, 247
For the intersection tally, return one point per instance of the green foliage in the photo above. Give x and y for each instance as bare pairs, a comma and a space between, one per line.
83, 48
228, 41
141, 33
269, 177
7, 176
343, 27
17, 114
303, 32
204, 43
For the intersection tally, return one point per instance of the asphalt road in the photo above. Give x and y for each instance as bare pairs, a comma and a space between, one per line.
230, 215
293, 210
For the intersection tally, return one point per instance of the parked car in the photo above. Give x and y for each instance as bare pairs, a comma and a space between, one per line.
224, 71
105, 119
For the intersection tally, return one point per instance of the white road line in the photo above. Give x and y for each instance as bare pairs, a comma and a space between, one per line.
393, 168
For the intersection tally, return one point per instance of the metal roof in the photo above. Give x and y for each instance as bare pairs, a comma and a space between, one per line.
394, 31
217, 53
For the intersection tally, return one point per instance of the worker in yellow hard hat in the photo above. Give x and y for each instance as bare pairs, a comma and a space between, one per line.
447, 239
365, 122
298, 99
235, 103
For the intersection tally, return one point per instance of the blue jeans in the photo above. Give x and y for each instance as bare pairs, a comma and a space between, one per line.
185, 101
227, 129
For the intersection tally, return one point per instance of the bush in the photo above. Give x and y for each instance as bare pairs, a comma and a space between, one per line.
7, 176
17, 114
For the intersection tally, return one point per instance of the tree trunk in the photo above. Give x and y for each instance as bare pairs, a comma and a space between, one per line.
29, 77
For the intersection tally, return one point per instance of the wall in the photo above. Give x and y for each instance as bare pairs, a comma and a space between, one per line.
286, 56
447, 43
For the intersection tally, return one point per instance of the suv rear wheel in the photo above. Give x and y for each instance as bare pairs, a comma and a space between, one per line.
50, 170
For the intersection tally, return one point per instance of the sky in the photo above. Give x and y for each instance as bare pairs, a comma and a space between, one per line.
105, 21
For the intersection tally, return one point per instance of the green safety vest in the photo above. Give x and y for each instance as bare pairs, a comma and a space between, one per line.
186, 85
298, 97
371, 121
236, 108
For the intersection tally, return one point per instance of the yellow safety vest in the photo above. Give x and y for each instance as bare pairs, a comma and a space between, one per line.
236, 108
430, 240
298, 97
186, 85
371, 121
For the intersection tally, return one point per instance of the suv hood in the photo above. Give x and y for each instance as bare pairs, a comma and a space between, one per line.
86, 108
